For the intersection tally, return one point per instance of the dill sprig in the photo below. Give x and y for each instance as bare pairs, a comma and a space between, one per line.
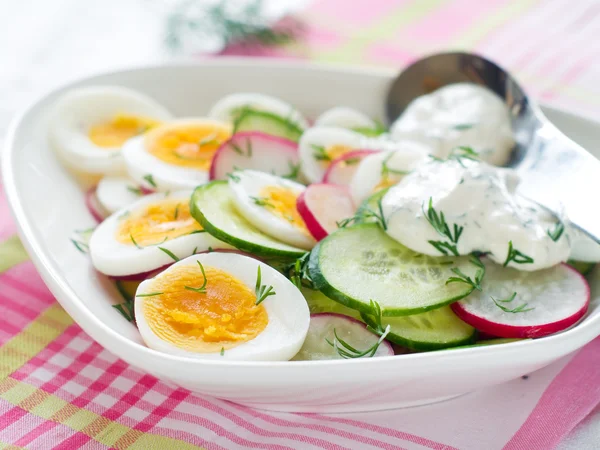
320, 153
222, 352
347, 351
462, 278
365, 214
240, 151
262, 291
134, 242
176, 213
233, 177
151, 294
557, 231
463, 126
439, 224
221, 25
262, 201
458, 154
135, 190
169, 253
516, 256
210, 139
126, 309
519, 309
298, 273
294, 171
81, 246
201, 289
150, 179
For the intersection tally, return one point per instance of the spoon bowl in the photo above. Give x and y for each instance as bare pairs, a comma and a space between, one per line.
556, 172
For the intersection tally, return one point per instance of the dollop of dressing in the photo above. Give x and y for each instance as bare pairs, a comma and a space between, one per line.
459, 206
462, 114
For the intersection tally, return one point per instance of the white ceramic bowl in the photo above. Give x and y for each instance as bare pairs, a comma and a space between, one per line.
48, 204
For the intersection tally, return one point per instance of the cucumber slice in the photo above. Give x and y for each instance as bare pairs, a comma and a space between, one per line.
320, 303
431, 330
211, 205
267, 122
362, 263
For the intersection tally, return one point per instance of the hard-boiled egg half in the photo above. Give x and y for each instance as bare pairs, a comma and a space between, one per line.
88, 126
222, 306
175, 155
384, 169
115, 192
229, 107
319, 146
269, 203
153, 232
345, 117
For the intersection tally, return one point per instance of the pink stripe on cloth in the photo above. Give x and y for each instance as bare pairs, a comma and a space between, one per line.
571, 396
38, 431
359, 13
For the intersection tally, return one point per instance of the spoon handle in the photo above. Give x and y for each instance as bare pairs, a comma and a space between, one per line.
561, 176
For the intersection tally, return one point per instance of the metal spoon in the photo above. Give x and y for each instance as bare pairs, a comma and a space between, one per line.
556, 172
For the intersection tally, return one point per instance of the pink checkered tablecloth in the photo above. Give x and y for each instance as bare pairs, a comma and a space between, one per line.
61, 390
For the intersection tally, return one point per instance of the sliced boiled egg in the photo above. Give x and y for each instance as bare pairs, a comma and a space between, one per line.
269, 203
345, 117
115, 192
219, 306
88, 126
175, 155
229, 107
319, 146
153, 232
384, 169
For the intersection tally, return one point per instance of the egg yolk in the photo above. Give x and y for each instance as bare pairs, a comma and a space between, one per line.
122, 127
157, 223
281, 202
222, 317
188, 145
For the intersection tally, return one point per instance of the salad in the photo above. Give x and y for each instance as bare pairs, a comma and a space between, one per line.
254, 233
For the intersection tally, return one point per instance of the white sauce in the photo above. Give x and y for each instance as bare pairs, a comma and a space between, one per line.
461, 114
481, 199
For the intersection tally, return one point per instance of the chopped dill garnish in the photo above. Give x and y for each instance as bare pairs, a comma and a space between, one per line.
169, 253
386, 170
294, 171
134, 242
365, 214
151, 294
233, 177
126, 309
516, 256
262, 291
519, 309
439, 224
201, 289
557, 231
462, 278
320, 154
222, 353
81, 246
176, 213
261, 201
135, 190
150, 179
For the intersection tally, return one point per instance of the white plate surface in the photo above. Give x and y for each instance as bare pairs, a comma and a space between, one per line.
48, 205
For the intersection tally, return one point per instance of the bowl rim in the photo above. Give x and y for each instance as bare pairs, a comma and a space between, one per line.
584, 330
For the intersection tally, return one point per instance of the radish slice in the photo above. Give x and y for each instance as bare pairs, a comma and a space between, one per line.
321, 206
94, 207
258, 151
546, 301
342, 169
349, 330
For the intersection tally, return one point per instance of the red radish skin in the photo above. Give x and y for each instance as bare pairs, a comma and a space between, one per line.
339, 172
93, 206
322, 205
510, 331
267, 150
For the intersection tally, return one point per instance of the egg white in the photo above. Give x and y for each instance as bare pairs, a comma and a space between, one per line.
312, 168
79, 109
344, 117
247, 184
225, 109
369, 171
115, 192
113, 258
166, 177
287, 312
